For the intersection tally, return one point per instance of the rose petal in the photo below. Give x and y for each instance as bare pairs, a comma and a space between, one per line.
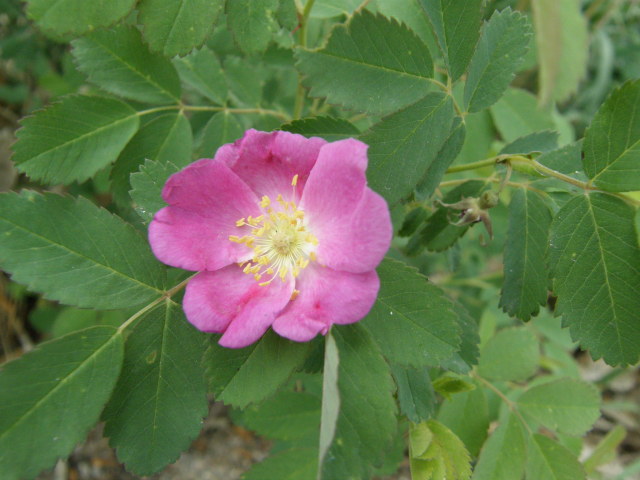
326, 297
205, 201
231, 302
351, 222
267, 162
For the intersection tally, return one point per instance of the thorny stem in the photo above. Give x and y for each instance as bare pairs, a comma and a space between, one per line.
165, 296
300, 92
205, 108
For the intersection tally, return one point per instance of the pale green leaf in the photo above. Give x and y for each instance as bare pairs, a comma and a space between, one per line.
565, 405
76, 253
612, 141
366, 418
252, 23
445, 456
538, 142
329, 128
166, 138
119, 62
221, 128
71, 140
566, 159
330, 397
373, 64
333, 8
201, 70
175, 28
161, 397
595, 268
76, 17
606, 450
467, 415
147, 185
503, 455
501, 49
525, 273
512, 354
52, 396
412, 321
550, 460
457, 27
292, 464
238, 376
403, 145
517, 114
563, 47
416, 397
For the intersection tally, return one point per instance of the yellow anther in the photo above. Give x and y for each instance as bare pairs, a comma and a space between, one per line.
264, 284
247, 268
294, 182
269, 271
240, 222
255, 269
299, 214
312, 256
257, 276
283, 273
295, 294
235, 239
266, 201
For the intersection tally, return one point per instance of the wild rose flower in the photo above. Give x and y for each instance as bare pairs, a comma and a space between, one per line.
284, 232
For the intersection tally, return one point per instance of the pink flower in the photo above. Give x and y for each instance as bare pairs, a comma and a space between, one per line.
284, 232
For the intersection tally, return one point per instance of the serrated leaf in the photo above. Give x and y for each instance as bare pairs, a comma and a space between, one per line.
450, 149
565, 405
403, 145
202, 71
166, 138
503, 455
252, 23
536, 142
291, 464
467, 415
161, 397
550, 460
367, 408
525, 274
445, 456
76, 253
51, 397
595, 268
118, 61
176, 28
416, 397
238, 376
517, 114
512, 354
501, 50
457, 28
329, 128
467, 355
612, 141
412, 321
563, 47
373, 65
246, 80
147, 185
73, 139
76, 17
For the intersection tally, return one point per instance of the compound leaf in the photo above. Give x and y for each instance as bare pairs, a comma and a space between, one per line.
252, 23
550, 460
503, 456
512, 354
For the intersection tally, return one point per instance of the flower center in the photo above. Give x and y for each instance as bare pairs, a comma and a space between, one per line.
280, 240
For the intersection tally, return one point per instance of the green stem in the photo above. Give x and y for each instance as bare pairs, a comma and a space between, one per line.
207, 108
511, 405
300, 92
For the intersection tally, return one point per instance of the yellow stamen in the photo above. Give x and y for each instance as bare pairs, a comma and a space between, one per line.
294, 182
295, 294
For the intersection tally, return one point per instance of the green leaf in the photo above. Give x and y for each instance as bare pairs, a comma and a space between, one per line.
252, 23
444, 457
176, 28
449, 384
457, 27
166, 138
51, 397
367, 408
333, 8
161, 397
76, 17
118, 61
566, 159
565, 405
612, 141
606, 450
467, 415
503, 454
595, 263
415, 393
238, 376
76, 253
403, 145
501, 49
73, 139
329, 128
147, 186
412, 320
450, 149
563, 47
512, 354
287, 415
552, 461
291, 464
525, 273
222, 128
517, 114
373, 65
202, 71
467, 355
536, 142
70, 319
